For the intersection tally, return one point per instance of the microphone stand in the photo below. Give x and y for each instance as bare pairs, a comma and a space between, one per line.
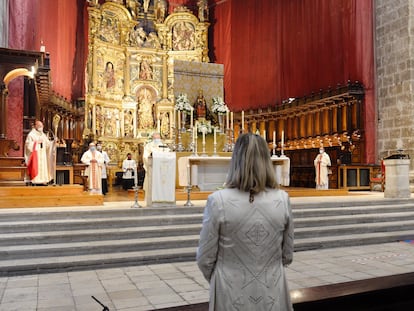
105, 308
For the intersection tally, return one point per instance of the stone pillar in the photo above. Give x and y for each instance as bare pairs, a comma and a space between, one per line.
394, 52
397, 184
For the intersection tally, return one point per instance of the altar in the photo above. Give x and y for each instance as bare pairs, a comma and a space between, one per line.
209, 173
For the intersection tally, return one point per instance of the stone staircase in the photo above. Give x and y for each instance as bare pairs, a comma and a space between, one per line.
44, 240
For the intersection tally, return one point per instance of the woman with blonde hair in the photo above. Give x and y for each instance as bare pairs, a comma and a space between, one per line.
247, 234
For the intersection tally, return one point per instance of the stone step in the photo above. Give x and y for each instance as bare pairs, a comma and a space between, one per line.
23, 238
97, 247
352, 240
74, 224
350, 210
104, 260
11, 215
94, 261
353, 228
155, 220
352, 219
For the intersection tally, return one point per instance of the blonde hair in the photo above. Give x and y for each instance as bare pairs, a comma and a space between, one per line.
251, 168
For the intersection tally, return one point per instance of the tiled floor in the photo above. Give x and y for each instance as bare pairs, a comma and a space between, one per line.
165, 285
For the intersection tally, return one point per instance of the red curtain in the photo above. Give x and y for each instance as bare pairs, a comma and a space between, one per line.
276, 49
60, 26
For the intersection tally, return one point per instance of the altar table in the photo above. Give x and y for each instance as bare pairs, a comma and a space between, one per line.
209, 173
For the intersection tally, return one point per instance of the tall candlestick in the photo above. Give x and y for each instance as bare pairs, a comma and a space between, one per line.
274, 137
204, 137
179, 119
227, 119
191, 117
231, 120
194, 134
243, 120
215, 133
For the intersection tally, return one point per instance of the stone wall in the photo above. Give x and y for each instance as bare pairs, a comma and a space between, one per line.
395, 76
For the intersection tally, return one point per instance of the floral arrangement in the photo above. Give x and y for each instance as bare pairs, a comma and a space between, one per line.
219, 106
204, 126
182, 103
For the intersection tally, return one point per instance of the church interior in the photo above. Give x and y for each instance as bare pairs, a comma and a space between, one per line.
304, 75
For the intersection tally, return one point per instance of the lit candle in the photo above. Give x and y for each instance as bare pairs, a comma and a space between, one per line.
264, 134
179, 119
204, 137
227, 119
231, 120
188, 175
274, 137
283, 138
191, 117
215, 133
135, 176
243, 120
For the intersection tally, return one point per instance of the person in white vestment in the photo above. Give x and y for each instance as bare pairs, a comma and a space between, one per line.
321, 162
104, 175
246, 238
94, 159
155, 144
37, 155
129, 168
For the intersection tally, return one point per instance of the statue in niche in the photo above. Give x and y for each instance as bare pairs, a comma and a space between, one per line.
109, 31
138, 36
145, 70
160, 9
128, 123
145, 109
109, 75
202, 10
153, 41
109, 128
183, 36
165, 125
99, 121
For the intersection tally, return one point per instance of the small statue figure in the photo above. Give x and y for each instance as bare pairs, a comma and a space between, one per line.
160, 9
153, 41
200, 106
132, 7
202, 10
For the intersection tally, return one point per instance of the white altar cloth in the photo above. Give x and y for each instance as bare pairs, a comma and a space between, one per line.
209, 173
163, 177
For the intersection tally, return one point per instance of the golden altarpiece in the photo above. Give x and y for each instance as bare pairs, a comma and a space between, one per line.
130, 74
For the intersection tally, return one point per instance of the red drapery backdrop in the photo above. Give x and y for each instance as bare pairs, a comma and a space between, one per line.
271, 49
276, 49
